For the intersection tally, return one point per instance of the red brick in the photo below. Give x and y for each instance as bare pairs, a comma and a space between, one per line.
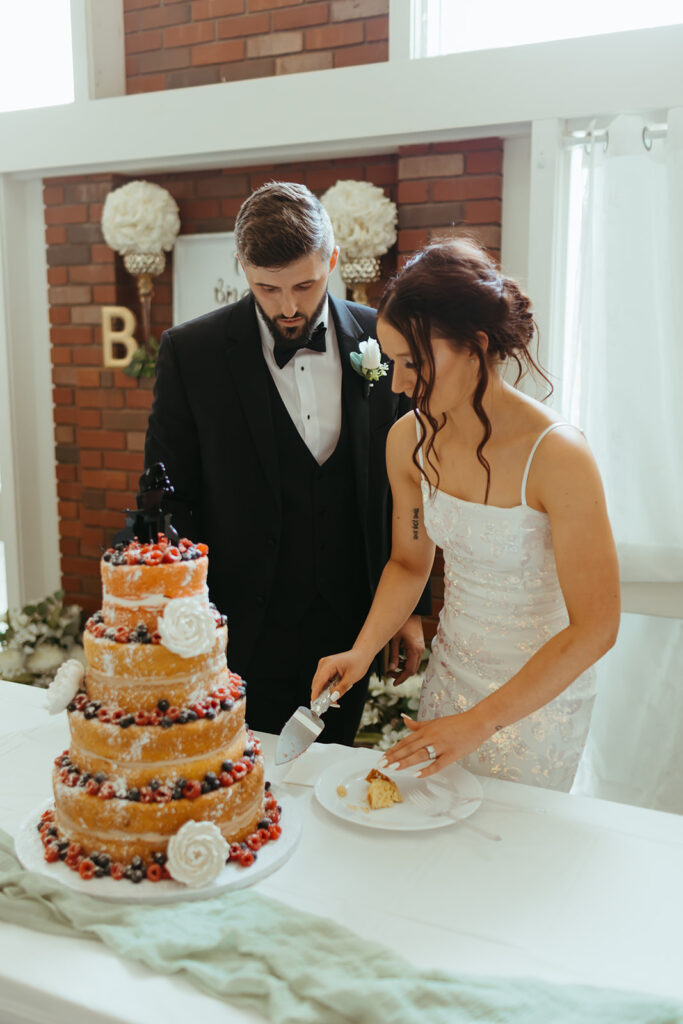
165, 16
130, 461
486, 211
149, 83
67, 473
376, 29
124, 419
488, 161
249, 25
215, 53
413, 239
301, 17
69, 295
198, 209
347, 10
189, 35
140, 42
60, 356
413, 192
134, 5
88, 355
105, 294
468, 145
274, 44
57, 275
100, 273
139, 400
107, 479
330, 36
65, 414
230, 207
59, 314
65, 435
417, 149
296, 63
70, 528
132, 66
101, 398
68, 546
263, 67
89, 418
216, 8
270, 5
136, 441
224, 185
91, 459
69, 490
66, 214
63, 396
431, 165
52, 195
91, 314
381, 174
164, 60
131, 22
71, 335
67, 509
484, 186
100, 254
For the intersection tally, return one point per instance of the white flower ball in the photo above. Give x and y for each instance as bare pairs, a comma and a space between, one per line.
140, 217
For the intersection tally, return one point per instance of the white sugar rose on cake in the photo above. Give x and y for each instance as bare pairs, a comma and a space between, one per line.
161, 762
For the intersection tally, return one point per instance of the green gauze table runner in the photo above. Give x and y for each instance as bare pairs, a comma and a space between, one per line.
295, 968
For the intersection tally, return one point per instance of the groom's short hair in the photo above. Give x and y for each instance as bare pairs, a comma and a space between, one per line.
281, 222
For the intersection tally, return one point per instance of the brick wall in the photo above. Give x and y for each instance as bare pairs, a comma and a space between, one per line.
101, 415
171, 44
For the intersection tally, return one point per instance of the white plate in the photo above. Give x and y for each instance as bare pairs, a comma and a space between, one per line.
454, 793
29, 849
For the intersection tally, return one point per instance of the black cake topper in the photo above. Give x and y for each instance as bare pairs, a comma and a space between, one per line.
148, 522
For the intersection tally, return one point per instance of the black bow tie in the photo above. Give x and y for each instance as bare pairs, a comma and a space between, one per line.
284, 351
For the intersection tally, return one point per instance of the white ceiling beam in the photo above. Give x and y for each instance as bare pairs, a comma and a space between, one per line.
370, 108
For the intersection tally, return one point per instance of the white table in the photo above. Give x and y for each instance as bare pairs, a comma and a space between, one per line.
578, 890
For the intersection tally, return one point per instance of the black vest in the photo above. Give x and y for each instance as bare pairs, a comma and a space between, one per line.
323, 555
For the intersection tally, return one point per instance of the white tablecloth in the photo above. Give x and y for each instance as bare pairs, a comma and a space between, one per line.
578, 890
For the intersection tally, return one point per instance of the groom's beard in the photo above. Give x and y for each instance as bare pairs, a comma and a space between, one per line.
291, 336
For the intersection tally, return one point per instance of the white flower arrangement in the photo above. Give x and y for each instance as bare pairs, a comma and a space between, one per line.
197, 853
187, 627
381, 724
368, 361
140, 217
363, 218
35, 640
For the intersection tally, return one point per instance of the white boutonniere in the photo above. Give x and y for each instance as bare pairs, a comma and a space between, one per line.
368, 361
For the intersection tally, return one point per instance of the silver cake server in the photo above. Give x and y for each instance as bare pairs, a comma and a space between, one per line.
304, 727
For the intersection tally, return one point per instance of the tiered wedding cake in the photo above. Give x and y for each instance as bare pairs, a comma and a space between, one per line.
163, 778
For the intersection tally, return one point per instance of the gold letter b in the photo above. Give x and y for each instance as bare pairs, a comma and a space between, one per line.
124, 337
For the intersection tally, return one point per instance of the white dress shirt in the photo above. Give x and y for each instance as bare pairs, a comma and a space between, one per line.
310, 386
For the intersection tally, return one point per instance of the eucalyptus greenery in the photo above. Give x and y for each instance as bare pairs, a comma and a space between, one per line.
144, 360
36, 639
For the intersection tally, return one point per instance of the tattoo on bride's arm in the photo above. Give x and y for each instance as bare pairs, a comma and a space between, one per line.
416, 524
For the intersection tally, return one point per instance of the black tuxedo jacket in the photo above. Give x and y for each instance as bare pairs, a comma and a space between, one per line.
211, 426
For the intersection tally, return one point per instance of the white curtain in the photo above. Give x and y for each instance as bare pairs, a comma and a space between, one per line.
620, 364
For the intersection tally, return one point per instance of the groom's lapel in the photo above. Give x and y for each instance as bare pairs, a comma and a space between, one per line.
355, 398
247, 367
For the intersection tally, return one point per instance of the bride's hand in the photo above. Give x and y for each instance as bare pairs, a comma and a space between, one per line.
350, 666
450, 739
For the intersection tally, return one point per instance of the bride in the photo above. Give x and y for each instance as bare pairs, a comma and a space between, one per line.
513, 496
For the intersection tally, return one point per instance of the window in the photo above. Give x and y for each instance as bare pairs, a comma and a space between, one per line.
452, 26
36, 67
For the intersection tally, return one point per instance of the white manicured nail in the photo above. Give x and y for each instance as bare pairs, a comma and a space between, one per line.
334, 697
393, 767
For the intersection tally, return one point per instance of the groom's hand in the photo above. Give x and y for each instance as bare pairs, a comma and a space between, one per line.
411, 639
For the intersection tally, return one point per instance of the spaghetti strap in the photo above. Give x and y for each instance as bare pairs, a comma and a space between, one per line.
560, 423
417, 431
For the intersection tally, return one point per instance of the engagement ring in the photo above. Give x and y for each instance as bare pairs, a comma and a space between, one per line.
430, 750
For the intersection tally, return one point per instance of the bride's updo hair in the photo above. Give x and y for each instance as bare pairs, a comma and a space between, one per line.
452, 290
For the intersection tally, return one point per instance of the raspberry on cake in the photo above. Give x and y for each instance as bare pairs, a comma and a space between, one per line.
382, 791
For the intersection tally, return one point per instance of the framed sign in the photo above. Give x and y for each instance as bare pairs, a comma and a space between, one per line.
207, 274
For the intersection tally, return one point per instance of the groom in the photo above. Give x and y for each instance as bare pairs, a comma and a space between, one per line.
275, 447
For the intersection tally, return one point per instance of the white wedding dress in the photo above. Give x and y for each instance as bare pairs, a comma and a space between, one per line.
502, 601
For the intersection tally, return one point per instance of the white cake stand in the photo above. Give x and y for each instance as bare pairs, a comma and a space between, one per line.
30, 851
